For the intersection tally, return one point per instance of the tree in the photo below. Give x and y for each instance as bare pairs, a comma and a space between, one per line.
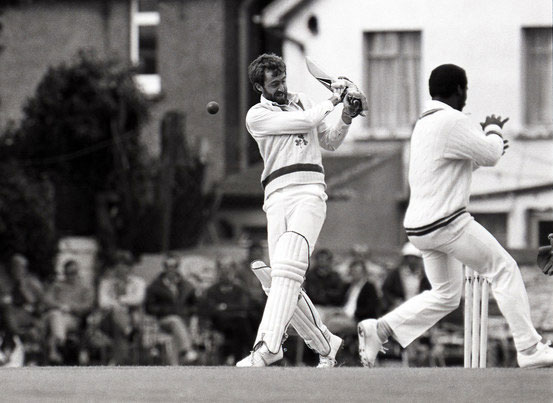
81, 129
26, 218
26, 206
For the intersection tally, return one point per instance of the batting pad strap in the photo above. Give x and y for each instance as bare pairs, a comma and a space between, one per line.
289, 271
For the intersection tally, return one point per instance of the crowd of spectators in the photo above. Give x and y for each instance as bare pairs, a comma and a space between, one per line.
121, 319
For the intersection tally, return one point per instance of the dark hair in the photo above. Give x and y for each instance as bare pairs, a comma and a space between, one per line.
445, 79
266, 61
170, 261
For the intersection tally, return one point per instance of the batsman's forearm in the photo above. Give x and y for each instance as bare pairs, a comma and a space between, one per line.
332, 138
263, 122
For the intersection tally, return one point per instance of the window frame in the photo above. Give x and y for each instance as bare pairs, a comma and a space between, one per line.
534, 126
150, 84
399, 130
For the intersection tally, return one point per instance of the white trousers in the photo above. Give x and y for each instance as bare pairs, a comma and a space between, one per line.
464, 241
299, 208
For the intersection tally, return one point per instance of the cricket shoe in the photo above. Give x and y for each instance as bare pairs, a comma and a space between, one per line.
329, 361
542, 358
260, 357
369, 342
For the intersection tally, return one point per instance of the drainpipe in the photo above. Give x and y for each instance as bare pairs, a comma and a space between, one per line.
244, 42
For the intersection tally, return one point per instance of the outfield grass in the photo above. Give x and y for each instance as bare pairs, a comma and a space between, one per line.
278, 384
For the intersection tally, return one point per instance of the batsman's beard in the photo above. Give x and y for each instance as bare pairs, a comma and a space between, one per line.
281, 98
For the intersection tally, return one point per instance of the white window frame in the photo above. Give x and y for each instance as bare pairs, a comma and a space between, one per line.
396, 129
535, 126
150, 84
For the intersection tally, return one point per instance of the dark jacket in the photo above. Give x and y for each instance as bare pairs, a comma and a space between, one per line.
325, 287
161, 301
393, 290
368, 303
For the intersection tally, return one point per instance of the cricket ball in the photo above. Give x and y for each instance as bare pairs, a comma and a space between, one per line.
212, 107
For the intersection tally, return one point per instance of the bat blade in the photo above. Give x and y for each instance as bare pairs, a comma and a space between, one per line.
318, 73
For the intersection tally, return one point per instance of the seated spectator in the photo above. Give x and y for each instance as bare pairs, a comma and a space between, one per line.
257, 297
26, 296
362, 298
402, 283
171, 299
226, 305
406, 280
120, 298
323, 283
67, 302
12, 353
22, 294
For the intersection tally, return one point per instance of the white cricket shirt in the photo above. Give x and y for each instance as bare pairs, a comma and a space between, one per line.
289, 137
445, 148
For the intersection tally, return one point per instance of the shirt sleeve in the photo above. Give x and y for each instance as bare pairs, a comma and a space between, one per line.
261, 121
105, 296
136, 292
468, 141
330, 138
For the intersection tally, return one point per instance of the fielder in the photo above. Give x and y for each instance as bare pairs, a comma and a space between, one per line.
445, 149
289, 128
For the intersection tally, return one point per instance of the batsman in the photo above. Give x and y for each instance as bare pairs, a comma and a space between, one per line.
289, 130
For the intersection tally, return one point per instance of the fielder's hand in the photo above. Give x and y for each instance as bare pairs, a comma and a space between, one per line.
545, 258
493, 120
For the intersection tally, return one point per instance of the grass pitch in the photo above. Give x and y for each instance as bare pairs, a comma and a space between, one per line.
278, 384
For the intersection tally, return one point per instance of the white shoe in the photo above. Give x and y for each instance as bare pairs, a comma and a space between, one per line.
261, 357
369, 342
543, 357
329, 361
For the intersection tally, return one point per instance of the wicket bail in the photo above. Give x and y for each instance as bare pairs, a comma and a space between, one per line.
476, 319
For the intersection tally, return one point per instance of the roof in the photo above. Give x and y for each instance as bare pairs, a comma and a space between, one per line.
278, 12
547, 187
339, 170
526, 166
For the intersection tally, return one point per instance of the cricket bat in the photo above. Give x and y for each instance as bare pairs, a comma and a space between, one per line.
324, 78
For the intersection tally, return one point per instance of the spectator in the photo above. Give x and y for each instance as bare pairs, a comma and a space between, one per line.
27, 293
406, 280
21, 309
171, 299
255, 293
11, 349
362, 299
226, 305
402, 283
67, 302
323, 283
120, 298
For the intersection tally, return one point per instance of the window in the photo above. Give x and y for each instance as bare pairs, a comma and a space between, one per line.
540, 225
392, 61
144, 28
538, 76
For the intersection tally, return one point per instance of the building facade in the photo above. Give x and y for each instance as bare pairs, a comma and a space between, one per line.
389, 49
187, 53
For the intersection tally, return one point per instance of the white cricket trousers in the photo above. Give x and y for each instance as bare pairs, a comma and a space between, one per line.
298, 208
443, 251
